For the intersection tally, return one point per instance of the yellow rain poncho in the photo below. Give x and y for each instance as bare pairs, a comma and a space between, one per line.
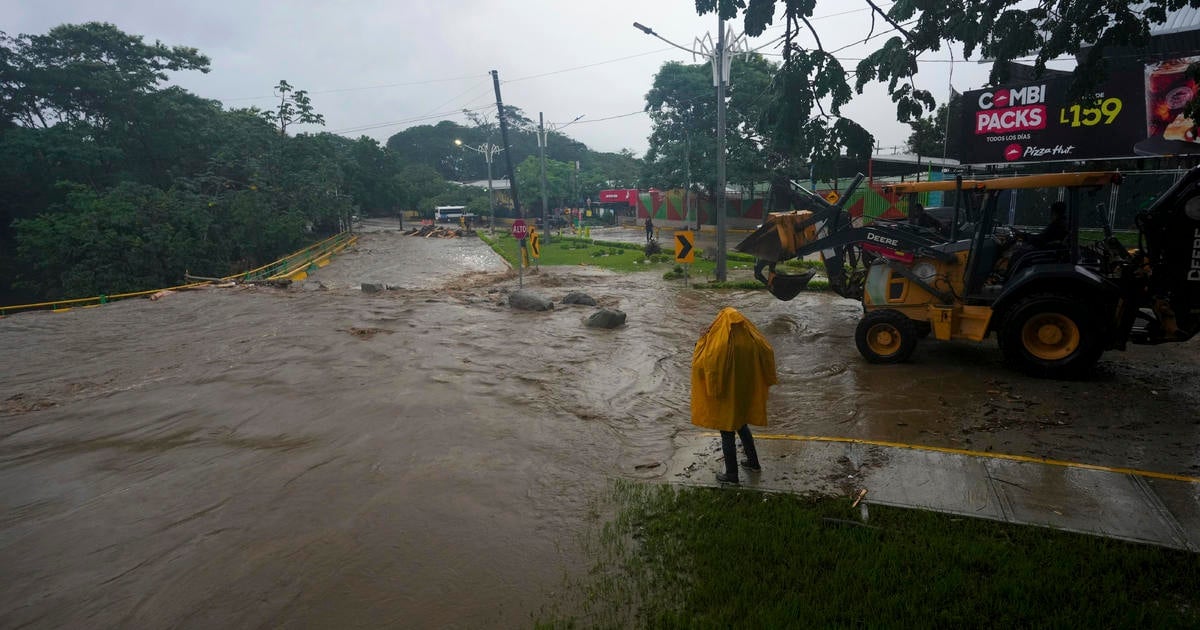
733, 366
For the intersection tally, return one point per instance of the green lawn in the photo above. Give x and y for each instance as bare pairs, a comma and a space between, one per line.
700, 557
625, 257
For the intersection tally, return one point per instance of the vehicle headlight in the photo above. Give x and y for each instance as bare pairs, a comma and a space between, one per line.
926, 271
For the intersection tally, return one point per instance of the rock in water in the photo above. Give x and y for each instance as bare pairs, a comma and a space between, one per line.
605, 318
575, 297
529, 301
371, 287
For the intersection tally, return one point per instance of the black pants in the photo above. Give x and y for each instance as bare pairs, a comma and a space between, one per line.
729, 449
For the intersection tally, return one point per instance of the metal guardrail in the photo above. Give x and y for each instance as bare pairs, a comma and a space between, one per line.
294, 266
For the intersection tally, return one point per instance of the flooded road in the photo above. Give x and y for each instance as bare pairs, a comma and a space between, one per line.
427, 457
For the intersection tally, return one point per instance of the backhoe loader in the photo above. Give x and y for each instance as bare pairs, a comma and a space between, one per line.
1054, 307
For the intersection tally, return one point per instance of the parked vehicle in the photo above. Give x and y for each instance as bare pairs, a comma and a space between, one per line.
1054, 307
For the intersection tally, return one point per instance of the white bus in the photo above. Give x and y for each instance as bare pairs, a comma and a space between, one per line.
452, 214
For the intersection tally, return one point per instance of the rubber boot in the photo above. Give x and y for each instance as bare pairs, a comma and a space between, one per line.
729, 449
751, 460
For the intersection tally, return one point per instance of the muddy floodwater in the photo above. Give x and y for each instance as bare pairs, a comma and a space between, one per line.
426, 457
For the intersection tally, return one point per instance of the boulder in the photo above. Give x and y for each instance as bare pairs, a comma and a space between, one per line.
575, 297
371, 287
605, 318
529, 301
313, 285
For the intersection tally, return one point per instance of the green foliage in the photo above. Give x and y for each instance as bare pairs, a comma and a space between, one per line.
109, 183
683, 113
798, 127
929, 134
83, 73
433, 146
294, 108
560, 179
673, 557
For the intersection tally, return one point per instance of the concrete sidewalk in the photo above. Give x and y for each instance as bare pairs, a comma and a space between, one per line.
1130, 505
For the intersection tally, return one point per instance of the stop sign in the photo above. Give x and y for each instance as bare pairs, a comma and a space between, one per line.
520, 230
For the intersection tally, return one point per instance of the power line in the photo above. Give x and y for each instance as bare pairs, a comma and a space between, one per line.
365, 87
590, 65
596, 120
406, 121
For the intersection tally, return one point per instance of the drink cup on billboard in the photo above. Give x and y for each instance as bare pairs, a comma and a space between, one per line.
1168, 89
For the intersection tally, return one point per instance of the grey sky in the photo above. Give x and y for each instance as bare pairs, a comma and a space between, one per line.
441, 53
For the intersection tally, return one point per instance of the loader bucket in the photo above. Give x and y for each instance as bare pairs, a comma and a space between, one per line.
778, 238
787, 286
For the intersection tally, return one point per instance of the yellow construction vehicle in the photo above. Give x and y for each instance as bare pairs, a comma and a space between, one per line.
1055, 305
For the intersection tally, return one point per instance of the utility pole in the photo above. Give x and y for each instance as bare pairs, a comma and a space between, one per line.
491, 194
687, 191
720, 56
489, 152
512, 178
543, 135
542, 155
719, 72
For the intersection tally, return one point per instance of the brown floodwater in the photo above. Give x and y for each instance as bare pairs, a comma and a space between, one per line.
427, 457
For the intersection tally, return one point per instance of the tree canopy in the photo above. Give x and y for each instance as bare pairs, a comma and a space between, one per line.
433, 146
803, 114
112, 182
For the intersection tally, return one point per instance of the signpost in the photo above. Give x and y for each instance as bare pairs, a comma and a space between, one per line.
519, 230
534, 249
685, 252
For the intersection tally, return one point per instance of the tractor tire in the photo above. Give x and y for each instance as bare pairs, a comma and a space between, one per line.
886, 336
1051, 335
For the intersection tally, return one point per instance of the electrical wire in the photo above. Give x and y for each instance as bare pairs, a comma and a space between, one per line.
590, 65
355, 89
596, 120
406, 121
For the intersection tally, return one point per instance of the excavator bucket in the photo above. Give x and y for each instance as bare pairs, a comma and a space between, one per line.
778, 238
787, 286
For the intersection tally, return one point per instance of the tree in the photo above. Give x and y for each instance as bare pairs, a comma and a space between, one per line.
110, 183
683, 114
929, 134
294, 108
811, 86
80, 73
560, 189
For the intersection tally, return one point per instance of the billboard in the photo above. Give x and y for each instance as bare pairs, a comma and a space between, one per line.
1137, 112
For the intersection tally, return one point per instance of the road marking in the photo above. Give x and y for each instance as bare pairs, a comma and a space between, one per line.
959, 451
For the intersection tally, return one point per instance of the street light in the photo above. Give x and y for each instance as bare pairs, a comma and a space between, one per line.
720, 55
489, 151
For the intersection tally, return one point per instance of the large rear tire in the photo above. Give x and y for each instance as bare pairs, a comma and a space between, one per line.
1051, 336
886, 336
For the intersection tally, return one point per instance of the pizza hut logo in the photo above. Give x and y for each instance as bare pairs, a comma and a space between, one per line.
1013, 152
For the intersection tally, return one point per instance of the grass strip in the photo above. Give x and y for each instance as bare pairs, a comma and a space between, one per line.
674, 557
628, 257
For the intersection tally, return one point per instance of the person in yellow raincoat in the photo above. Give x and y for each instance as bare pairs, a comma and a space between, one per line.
733, 367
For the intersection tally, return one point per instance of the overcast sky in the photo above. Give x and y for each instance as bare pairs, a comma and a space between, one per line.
376, 67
